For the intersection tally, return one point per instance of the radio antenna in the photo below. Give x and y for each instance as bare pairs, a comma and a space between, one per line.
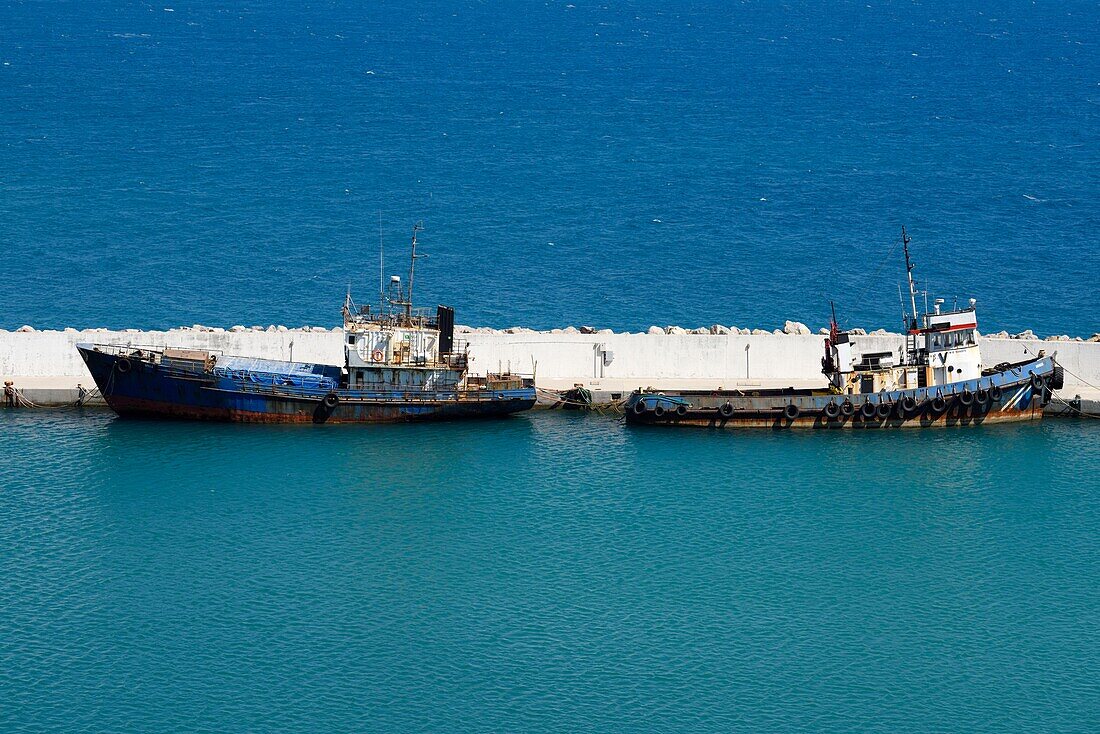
381, 269
418, 227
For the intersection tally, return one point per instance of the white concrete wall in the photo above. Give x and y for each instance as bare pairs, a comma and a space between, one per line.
648, 356
557, 359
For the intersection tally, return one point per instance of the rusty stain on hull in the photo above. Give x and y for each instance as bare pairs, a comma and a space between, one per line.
1016, 393
141, 388
777, 421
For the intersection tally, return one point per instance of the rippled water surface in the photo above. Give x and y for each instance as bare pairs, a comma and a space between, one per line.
615, 164
545, 573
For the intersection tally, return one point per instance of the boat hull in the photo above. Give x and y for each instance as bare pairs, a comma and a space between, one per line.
1014, 395
141, 389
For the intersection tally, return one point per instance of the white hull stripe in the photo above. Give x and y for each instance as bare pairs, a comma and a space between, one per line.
1015, 399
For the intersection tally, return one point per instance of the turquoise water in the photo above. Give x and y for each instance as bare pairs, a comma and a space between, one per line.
549, 572
616, 165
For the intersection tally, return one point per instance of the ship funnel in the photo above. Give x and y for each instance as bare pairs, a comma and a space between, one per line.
445, 318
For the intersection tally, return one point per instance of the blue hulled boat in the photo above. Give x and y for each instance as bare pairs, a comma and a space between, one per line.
400, 364
938, 379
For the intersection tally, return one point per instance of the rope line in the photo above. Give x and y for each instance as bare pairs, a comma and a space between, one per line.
1059, 398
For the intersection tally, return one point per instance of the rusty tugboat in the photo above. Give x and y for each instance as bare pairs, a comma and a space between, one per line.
939, 380
400, 364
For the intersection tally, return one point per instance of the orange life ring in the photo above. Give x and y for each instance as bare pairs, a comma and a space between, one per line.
377, 355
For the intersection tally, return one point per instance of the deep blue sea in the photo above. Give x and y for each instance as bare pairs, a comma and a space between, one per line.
617, 165
612, 164
550, 572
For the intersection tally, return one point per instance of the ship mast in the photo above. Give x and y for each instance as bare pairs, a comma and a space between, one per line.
418, 227
909, 274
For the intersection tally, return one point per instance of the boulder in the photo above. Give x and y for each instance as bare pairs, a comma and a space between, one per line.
236, 329
280, 327
24, 329
257, 328
675, 330
823, 330
588, 329
1026, 334
1058, 338
760, 332
998, 335
1094, 338
719, 329
462, 329
605, 331
795, 327
880, 332
69, 330
857, 331
655, 330
571, 330
271, 328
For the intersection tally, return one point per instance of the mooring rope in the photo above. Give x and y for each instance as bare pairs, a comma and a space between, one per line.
1080, 379
615, 406
20, 399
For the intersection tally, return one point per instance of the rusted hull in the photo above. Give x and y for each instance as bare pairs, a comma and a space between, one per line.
298, 412
146, 390
1017, 394
776, 421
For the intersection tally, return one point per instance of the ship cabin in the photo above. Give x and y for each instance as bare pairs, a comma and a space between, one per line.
413, 349
942, 348
950, 351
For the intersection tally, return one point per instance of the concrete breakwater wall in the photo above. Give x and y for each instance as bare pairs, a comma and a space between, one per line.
47, 367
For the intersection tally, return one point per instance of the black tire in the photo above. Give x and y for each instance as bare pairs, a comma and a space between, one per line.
982, 396
966, 398
909, 405
791, 412
659, 410
847, 409
1037, 382
639, 407
832, 410
995, 392
681, 410
331, 400
726, 410
883, 410
1058, 378
868, 410
123, 365
938, 404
